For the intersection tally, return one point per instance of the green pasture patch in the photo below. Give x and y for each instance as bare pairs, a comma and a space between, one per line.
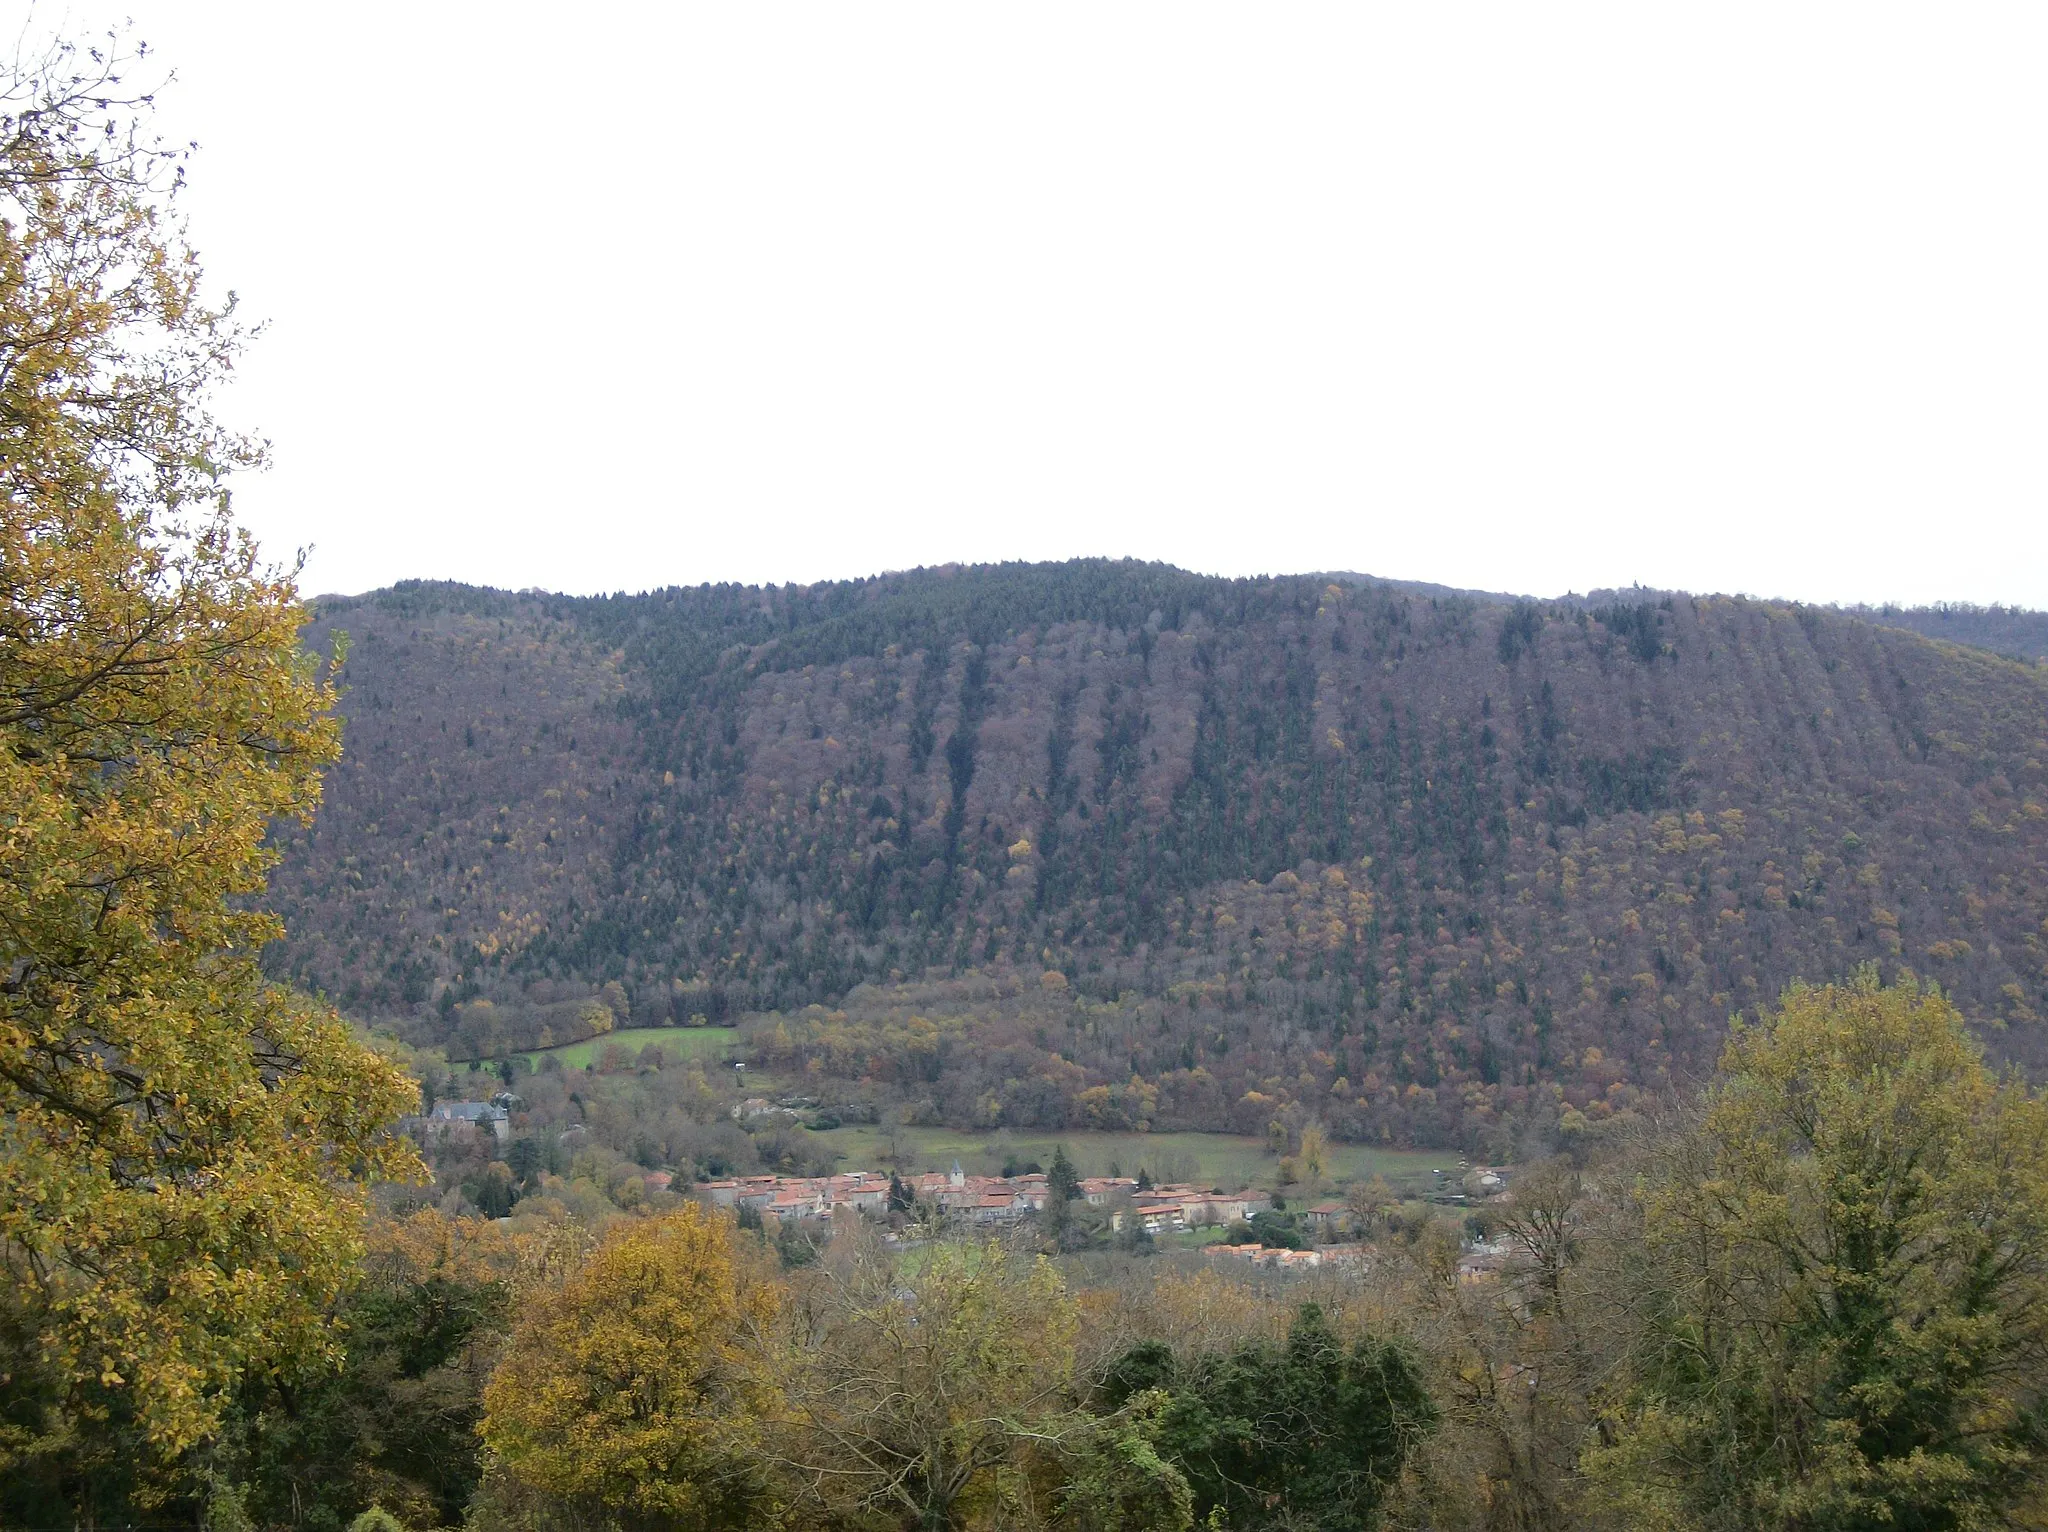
708, 1043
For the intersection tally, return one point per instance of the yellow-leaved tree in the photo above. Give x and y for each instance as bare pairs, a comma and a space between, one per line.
1845, 1277
182, 1144
632, 1393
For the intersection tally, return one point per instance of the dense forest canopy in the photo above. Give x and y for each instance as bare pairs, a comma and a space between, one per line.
2008, 630
1175, 851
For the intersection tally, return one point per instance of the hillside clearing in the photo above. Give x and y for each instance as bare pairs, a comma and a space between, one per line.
677, 1042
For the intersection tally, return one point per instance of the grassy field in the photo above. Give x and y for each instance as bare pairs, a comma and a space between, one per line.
707, 1043
1215, 1159
1219, 1159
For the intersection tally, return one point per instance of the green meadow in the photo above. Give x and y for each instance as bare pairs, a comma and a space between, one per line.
708, 1043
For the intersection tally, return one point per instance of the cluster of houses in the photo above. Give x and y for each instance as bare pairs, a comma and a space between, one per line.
997, 1200
986, 1199
463, 1122
1484, 1260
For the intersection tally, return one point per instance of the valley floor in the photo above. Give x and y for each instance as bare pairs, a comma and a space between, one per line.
1219, 1159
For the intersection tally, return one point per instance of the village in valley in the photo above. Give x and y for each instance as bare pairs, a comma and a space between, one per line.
1327, 1232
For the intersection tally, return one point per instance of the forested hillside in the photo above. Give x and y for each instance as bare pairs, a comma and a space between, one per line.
2007, 630
1118, 845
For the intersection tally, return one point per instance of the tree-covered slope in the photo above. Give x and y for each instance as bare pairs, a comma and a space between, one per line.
2008, 630
1412, 864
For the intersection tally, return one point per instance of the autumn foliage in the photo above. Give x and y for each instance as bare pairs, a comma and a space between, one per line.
1420, 867
631, 1390
182, 1144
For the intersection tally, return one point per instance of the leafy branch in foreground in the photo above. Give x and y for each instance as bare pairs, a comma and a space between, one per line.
182, 1145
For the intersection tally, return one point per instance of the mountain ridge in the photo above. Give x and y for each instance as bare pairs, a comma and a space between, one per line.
1472, 862
2011, 631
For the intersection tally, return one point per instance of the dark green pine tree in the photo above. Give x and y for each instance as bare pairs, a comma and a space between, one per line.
1061, 1180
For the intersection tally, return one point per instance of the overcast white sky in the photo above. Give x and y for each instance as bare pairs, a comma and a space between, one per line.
1732, 297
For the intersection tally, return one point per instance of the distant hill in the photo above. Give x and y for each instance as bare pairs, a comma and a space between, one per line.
1422, 588
1115, 845
2007, 630
2012, 631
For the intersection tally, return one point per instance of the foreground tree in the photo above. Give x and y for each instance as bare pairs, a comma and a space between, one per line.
1312, 1433
1518, 1364
1848, 1284
923, 1393
1117, 1480
395, 1426
182, 1145
630, 1394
